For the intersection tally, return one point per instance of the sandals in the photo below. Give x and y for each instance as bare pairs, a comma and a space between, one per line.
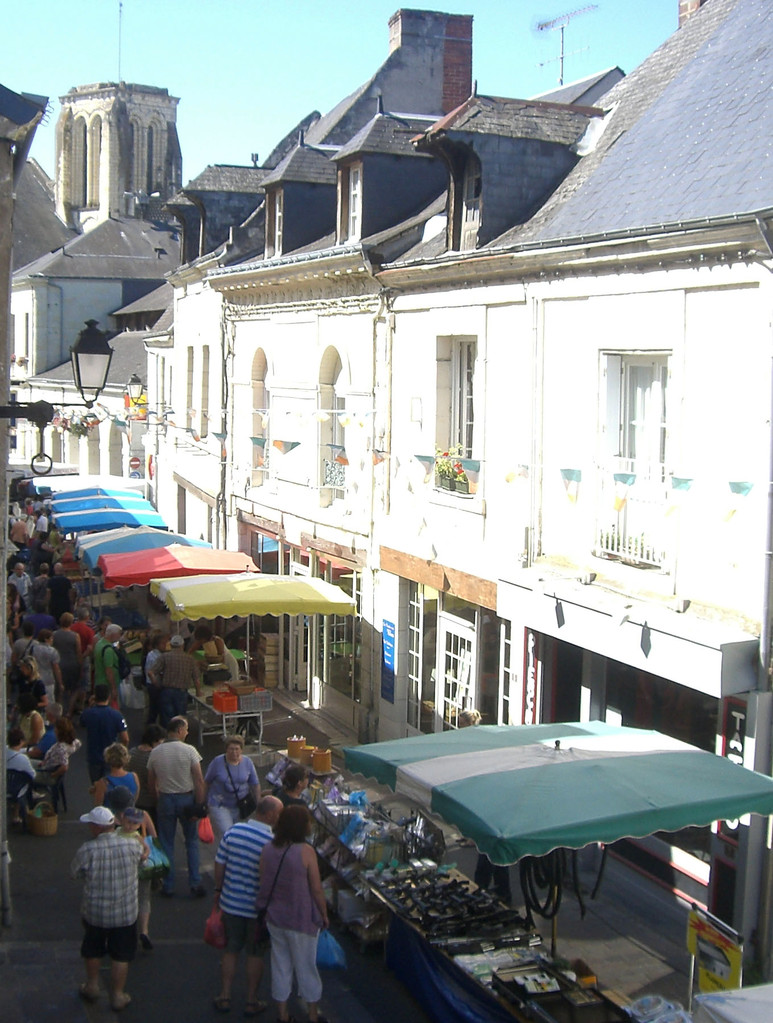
252, 1009
120, 1002
88, 994
221, 1004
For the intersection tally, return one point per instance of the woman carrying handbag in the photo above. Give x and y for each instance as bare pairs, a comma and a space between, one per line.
291, 894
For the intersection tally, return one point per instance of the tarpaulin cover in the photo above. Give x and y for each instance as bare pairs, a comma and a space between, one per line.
89, 547
108, 518
525, 790
89, 503
139, 567
747, 1005
245, 594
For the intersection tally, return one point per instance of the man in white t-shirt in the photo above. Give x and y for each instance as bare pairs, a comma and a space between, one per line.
175, 778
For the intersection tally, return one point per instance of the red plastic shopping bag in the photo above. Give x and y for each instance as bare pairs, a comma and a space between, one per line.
206, 834
214, 931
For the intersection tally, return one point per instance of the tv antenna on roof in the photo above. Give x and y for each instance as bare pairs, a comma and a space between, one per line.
560, 23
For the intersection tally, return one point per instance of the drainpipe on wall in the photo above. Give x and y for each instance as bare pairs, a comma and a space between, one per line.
765, 923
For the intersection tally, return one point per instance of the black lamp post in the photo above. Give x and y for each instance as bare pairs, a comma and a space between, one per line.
91, 355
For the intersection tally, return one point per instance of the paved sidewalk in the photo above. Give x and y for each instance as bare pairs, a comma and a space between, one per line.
632, 934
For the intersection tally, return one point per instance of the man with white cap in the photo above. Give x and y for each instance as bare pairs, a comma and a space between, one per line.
108, 864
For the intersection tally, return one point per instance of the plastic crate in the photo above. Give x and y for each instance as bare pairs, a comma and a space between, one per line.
225, 702
260, 699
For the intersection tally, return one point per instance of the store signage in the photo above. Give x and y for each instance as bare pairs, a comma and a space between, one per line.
388, 661
532, 676
734, 748
717, 949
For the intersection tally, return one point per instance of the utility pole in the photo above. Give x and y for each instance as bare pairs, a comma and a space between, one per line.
560, 23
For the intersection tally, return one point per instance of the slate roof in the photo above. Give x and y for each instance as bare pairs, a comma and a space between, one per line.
221, 177
386, 133
585, 90
154, 301
307, 164
324, 127
122, 248
689, 136
516, 119
36, 227
129, 356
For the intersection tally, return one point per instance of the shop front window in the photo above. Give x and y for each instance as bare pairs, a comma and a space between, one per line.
344, 636
422, 645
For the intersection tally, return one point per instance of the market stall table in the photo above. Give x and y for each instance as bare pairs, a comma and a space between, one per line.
248, 716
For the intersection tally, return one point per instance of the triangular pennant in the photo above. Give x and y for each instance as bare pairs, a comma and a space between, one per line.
338, 451
571, 478
679, 487
285, 445
427, 464
623, 482
378, 456
471, 468
739, 489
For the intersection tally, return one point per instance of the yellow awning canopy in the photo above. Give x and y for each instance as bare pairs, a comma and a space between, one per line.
247, 594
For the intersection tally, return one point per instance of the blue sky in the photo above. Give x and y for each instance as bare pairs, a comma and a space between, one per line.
246, 71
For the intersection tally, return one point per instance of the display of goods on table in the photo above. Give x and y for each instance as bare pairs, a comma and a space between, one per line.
442, 903
541, 990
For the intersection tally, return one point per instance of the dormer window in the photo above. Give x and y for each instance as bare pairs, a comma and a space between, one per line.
472, 186
351, 203
274, 222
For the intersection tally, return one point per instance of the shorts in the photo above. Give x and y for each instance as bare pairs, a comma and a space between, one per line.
240, 934
120, 943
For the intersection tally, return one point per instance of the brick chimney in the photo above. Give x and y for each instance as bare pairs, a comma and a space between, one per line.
448, 37
687, 8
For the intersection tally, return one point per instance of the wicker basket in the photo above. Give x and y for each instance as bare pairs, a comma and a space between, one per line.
241, 688
45, 824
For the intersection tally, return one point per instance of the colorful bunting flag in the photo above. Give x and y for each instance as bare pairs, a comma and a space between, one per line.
739, 490
259, 443
428, 465
623, 482
285, 446
338, 452
378, 456
471, 468
571, 478
196, 436
679, 487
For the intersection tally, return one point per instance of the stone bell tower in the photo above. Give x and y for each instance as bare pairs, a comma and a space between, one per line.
117, 152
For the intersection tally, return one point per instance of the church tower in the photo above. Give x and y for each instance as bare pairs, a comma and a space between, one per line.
117, 152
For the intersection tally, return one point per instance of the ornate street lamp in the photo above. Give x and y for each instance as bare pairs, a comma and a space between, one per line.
91, 355
134, 388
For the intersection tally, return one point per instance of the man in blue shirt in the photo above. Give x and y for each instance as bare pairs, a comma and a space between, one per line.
104, 726
236, 889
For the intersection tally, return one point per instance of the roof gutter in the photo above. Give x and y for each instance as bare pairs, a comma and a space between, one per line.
564, 248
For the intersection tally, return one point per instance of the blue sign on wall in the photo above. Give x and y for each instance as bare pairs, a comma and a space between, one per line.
388, 662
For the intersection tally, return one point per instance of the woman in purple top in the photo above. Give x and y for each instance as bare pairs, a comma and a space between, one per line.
291, 893
229, 778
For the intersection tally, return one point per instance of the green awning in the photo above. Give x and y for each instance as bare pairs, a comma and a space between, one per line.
525, 790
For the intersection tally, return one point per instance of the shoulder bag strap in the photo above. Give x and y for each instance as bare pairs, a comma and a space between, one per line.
273, 884
230, 778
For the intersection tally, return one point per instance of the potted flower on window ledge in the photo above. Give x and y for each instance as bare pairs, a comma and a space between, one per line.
449, 471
